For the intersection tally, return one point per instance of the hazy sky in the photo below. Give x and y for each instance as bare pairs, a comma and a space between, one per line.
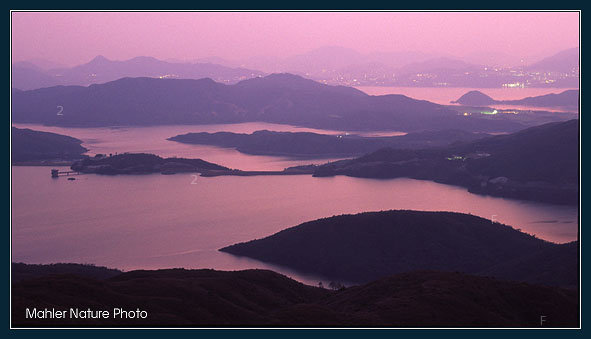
76, 37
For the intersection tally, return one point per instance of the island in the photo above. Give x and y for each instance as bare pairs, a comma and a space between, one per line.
145, 163
311, 145
142, 163
367, 246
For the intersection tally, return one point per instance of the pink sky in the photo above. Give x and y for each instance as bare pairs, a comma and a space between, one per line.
76, 37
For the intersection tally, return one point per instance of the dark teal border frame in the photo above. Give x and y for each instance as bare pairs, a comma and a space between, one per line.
309, 5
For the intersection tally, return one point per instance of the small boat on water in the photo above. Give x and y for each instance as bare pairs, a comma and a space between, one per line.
71, 178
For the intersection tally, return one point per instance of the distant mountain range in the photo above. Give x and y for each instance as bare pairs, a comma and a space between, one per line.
99, 70
439, 64
372, 245
336, 58
277, 98
566, 61
325, 59
38, 63
569, 99
29, 77
330, 64
489, 69
539, 163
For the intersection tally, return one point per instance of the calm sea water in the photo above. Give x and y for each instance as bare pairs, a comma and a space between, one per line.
157, 221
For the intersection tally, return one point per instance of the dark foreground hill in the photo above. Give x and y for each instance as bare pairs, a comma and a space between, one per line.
539, 163
554, 265
277, 98
305, 144
142, 163
21, 271
30, 145
199, 298
372, 245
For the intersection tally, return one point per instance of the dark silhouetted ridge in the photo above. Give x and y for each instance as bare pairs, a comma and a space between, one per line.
277, 98
204, 298
21, 271
538, 163
367, 246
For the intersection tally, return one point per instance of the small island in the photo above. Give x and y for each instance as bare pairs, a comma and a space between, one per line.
142, 163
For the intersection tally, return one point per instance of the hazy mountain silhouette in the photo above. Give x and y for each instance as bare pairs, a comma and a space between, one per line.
568, 98
400, 58
178, 297
438, 65
565, 61
369, 68
31, 77
328, 58
101, 70
539, 163
371, 245
277, 98
333, 58
328, 63
494, 59
454, 72
38, 63
325, 59
27, 65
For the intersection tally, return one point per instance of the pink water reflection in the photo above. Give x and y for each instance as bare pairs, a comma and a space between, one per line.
156, 221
